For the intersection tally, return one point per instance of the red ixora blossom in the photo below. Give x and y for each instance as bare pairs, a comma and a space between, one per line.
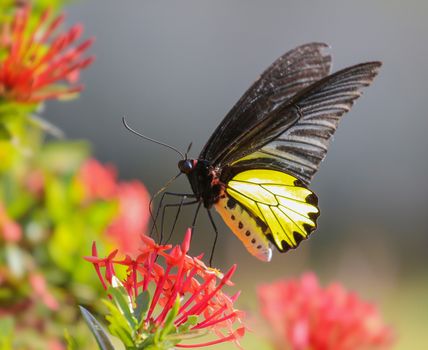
38, 64
133, 217
100, 182
170, 275
302, 315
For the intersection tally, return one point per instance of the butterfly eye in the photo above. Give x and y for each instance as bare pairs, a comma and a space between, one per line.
185, 166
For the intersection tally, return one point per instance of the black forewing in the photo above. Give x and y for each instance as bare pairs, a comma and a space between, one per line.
298, 148
289, 74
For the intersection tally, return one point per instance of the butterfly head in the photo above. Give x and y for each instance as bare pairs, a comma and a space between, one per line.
187, 166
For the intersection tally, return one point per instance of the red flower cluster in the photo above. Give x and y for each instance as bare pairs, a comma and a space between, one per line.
302, 315
35, 60
170, 274
100, 182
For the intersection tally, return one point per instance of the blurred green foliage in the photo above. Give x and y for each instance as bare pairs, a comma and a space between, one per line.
8, 7
41, 192
47, 222
6, 333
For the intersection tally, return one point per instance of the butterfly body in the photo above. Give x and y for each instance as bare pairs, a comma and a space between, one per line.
204, 180
255, 168
208, 188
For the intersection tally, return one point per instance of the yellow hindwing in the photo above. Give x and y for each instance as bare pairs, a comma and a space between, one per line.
246, 226
280, 200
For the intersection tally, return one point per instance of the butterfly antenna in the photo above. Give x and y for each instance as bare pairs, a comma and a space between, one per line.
188, 149
125, 123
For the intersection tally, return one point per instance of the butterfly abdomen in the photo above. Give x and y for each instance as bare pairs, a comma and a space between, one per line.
247, 227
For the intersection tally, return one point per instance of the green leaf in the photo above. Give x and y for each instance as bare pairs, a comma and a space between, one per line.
71, 343
118, 325
19, 199
100, 214
143, 302
15, 112
169, 326
191, 321
97, 330
57, 201
64, 245
63, 157
121, 298
4, 133
6, 333
8, 155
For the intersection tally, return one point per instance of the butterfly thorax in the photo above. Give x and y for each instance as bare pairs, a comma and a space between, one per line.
204, 180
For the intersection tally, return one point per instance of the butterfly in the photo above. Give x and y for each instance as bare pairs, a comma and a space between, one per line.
256, 167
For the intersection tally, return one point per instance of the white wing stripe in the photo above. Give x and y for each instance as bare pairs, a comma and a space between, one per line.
304, 141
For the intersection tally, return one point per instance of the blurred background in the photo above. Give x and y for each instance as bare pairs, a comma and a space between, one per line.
176, 68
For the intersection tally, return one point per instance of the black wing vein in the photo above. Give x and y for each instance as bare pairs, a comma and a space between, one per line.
298, 148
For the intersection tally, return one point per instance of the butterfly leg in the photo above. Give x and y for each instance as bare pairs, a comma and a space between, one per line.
175, 219
155, 217
195, 217
175, 205
215, 238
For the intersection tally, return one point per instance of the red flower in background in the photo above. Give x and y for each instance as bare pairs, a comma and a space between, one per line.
10, 230
133, 217
40, 290
170, 275
100, 182
303, 315
38, 64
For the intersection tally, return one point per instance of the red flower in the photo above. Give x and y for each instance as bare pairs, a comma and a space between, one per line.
41, 292
100, 182
132, 218
9, 229
35, 183
36, 61
302, 315
171, 275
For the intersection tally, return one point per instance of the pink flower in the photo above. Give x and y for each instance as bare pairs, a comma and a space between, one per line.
55, 344
170, 275
35, 183
41, 292
9, 229
133, 217
98, 180
303, 315
38, 64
